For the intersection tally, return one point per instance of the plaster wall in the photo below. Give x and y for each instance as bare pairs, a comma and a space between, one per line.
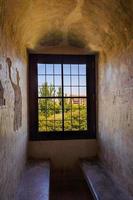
64, 155
13, 113
116, 116
13, 132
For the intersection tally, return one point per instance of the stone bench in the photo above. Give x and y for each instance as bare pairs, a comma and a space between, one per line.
35, 182
100, 182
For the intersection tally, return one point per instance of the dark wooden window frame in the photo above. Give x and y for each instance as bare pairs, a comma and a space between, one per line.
90, 61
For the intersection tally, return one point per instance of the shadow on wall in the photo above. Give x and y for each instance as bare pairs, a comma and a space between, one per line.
57, 38
17, 97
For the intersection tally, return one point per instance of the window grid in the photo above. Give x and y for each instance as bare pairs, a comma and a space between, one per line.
71, 97
36, 91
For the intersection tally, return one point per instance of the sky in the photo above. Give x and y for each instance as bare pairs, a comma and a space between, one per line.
52, 75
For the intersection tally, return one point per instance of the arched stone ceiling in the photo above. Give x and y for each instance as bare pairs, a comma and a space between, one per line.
99, 25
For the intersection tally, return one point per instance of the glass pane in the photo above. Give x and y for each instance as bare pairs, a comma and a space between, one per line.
49, 80
42, 124
67, 109
57, 69
82, 102
82, 80
58, 91
75, 102
50, 105
46, 91
75, 117
58, 115
57, 80
50, 125
83, 114
75, 114
41, 68
83, 91
42, 114
50, 114
75, 124
75, 91
41, 80
67, 125
66, 80
58, 125
82, 69
83, 125
42, 106
39, 91
66, 69
67, 91
74, 69
49, 69
67, 115
58, 109
75, 81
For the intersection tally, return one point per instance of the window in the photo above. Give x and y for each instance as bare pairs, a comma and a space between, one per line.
61, 97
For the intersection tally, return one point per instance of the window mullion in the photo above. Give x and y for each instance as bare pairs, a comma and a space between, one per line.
62, 96
71, 92
54, 92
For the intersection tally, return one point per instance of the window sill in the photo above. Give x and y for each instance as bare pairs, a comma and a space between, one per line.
62, 136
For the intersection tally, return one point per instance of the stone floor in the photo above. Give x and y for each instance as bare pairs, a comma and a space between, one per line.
69, 188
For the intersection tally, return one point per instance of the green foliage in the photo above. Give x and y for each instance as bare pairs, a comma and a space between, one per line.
50, 112
46, 90
59, 94
46, 105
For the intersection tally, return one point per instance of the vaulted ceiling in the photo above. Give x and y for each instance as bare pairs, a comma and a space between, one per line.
103, 25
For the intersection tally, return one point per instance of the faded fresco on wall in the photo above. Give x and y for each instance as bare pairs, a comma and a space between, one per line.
2, 100
17, 97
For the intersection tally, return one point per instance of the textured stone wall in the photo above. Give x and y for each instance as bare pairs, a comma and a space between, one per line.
13, 112
13, 130
64, 155
13, 134
116, 116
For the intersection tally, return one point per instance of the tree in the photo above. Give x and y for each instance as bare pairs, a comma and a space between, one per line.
59, 94
47, 91
46, 105
51, 108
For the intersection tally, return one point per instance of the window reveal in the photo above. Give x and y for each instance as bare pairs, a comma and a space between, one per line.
62, 99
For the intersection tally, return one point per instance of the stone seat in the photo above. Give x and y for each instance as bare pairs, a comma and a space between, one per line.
101, 184
35, 182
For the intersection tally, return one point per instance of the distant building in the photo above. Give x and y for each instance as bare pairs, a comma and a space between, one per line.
81, 101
